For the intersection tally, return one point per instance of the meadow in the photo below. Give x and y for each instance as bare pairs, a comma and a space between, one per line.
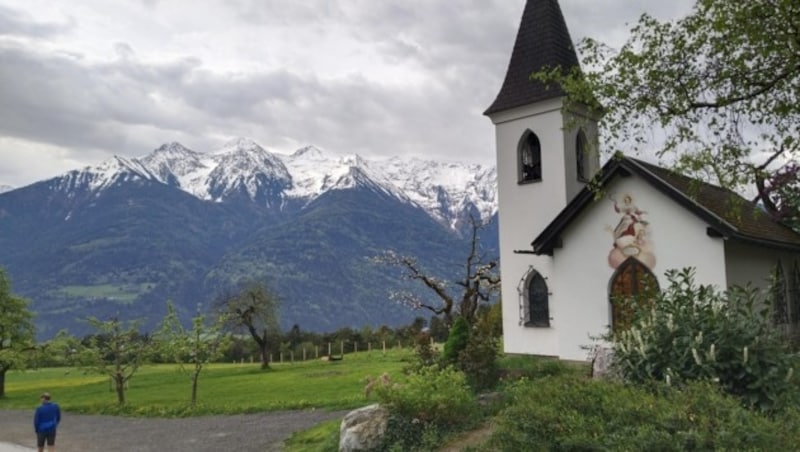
164, 391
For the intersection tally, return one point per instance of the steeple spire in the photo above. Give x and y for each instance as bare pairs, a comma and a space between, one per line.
542, 41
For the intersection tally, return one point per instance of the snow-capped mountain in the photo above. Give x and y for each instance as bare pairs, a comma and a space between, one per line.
5, 188
241, 169
182, 225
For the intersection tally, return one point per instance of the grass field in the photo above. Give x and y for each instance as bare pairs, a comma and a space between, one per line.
163, 391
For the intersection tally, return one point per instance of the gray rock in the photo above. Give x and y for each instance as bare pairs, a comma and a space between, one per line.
602, 363
363, 429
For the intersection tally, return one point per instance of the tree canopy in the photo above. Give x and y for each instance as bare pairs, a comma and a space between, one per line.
195, 347
253, 308
117, 350
717, 93
17, 333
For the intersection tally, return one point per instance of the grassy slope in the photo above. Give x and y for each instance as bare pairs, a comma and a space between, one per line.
163, 391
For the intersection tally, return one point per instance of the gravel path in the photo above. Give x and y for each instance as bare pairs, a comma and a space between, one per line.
88, 433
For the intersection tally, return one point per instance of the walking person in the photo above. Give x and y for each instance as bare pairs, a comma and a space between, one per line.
45, 422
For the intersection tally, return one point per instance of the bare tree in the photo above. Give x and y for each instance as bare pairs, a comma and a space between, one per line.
255, 309
478, 283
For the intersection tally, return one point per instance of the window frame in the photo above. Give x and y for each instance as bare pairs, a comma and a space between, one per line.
618, 319
529, 142
542, 311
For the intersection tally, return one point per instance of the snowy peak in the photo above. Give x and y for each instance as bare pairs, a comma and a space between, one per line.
118, 170
242, 167
171, 155
244, 171
450, 191
172, 163
238, 144
316, 171
243, 156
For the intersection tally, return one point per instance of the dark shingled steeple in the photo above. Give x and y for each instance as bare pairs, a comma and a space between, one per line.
542, 41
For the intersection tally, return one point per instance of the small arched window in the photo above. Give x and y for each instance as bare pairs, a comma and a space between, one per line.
632, 286
529, 156
537, 299
582, 157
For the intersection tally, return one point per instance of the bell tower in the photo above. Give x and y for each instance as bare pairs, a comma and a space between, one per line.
544, 159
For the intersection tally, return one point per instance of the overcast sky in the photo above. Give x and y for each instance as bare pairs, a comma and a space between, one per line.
83, 80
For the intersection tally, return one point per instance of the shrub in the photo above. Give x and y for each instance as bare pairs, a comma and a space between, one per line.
424, 353
478, 359
456, 340
696, 333
430, 403
432, 394
575, 414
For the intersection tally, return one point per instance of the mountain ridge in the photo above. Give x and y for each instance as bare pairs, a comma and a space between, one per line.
242, 168
124, 236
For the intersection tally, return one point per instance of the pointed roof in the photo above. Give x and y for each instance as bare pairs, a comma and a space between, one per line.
726, 214
542, 41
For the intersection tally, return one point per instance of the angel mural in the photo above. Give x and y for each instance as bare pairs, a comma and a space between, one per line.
631, 235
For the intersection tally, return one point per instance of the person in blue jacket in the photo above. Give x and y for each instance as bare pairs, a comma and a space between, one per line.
45, 422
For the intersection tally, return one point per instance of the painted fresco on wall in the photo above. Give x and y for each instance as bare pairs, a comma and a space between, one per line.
631, 235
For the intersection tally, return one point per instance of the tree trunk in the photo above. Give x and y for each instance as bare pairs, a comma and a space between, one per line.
195, 377
264, 355
119, 383
3, 382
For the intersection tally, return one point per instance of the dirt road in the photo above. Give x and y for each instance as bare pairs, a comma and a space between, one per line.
90, 433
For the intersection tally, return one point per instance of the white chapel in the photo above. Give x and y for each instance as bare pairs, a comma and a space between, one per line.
564, 254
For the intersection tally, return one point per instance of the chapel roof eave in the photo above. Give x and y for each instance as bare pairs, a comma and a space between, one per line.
728, 214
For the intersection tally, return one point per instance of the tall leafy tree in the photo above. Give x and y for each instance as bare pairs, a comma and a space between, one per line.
254, 308
192, 348
17, 333
715, 92
117, 350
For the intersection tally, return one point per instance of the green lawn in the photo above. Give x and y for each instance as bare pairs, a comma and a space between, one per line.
163, 391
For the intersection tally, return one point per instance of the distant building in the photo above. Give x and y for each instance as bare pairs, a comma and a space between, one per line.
563, 254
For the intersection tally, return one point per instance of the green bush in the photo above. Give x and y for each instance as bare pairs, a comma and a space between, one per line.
561, 413
695, 333
424, 353
478, 359
430, 403
432, 394
456, 340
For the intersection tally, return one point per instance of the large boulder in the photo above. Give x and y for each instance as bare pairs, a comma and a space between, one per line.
363, 429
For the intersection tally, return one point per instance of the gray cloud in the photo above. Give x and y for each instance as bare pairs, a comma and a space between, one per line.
16, 23
454, 52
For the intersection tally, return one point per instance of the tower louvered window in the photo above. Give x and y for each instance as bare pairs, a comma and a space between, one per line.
529, 156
